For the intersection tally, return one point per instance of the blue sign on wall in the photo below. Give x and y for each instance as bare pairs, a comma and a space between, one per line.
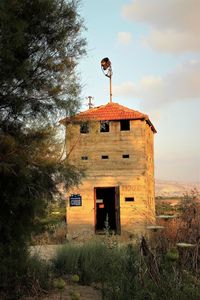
75, 200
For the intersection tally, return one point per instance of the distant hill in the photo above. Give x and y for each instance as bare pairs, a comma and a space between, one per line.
167, 188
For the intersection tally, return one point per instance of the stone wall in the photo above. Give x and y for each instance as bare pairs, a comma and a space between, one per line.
134, 175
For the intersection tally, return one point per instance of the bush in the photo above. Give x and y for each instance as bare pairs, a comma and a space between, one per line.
66, 260
86, 260
12, 270
120, 271
38, 275
95, 262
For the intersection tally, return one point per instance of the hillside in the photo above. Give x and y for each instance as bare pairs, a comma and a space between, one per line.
167, 188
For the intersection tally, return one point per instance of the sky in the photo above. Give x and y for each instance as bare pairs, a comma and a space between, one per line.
154, 48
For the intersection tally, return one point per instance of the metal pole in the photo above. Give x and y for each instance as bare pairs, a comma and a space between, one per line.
106, 65
111, 88
90, 102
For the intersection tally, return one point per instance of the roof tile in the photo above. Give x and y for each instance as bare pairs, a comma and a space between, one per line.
111, 111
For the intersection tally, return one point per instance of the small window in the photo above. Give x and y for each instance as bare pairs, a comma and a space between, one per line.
84, 127
124, 125
129, 199
84, 157
104, 126
104, 157
125, 155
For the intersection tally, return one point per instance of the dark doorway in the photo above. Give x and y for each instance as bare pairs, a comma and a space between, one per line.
107, 208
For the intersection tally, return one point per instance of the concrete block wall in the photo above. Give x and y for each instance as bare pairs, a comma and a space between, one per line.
133, 175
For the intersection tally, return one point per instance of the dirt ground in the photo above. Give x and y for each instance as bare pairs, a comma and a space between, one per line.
86, 293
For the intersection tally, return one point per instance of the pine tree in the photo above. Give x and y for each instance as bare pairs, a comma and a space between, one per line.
40, 45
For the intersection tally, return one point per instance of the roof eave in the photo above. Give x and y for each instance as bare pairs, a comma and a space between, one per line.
151, 126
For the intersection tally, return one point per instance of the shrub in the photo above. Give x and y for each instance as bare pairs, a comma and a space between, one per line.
66, 260
189, 210
123, 273
114, 268
93, 262
12, 270
37, 278
87, 260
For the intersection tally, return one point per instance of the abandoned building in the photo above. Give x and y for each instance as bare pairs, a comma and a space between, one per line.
115, 147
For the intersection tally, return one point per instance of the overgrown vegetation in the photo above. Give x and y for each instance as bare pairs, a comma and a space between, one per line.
113, 269
166, 266
163, 208
51, 228
40, 45
38, 276
162, 267
121, 272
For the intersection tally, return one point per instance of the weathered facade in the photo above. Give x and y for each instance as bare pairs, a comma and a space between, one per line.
114, 145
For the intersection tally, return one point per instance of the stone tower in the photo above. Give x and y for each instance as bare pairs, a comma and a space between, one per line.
115, 147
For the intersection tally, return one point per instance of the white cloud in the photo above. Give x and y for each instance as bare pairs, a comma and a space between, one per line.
124, 38
147, 86
172, 41
125, 89
181, 84
174, 24
150, 81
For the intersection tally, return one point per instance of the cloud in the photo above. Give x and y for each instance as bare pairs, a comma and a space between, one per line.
172, 41
124, 38
125, 89
174, 24
181, 84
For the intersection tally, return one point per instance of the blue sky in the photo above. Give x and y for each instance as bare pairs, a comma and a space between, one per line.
155, 53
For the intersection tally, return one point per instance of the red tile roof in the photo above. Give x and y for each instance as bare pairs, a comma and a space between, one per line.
109, 112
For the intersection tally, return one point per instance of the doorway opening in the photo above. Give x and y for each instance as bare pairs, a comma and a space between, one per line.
107, 209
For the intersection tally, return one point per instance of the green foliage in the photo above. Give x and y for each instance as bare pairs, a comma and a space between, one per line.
122, 273
37, 275
90, 268
24, 188
13, 266
172, 255
66, 260
75, 296
40, 45
95, 262
174, 284
75, 278
59, 284
31, 277
164, 208
54, 217
189, 211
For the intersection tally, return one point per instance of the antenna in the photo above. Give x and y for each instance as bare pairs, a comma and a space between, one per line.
90, 104
106, 66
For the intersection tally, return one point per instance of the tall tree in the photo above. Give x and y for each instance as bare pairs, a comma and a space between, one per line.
40, 45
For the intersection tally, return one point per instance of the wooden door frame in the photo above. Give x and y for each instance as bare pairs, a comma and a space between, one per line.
117, 207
